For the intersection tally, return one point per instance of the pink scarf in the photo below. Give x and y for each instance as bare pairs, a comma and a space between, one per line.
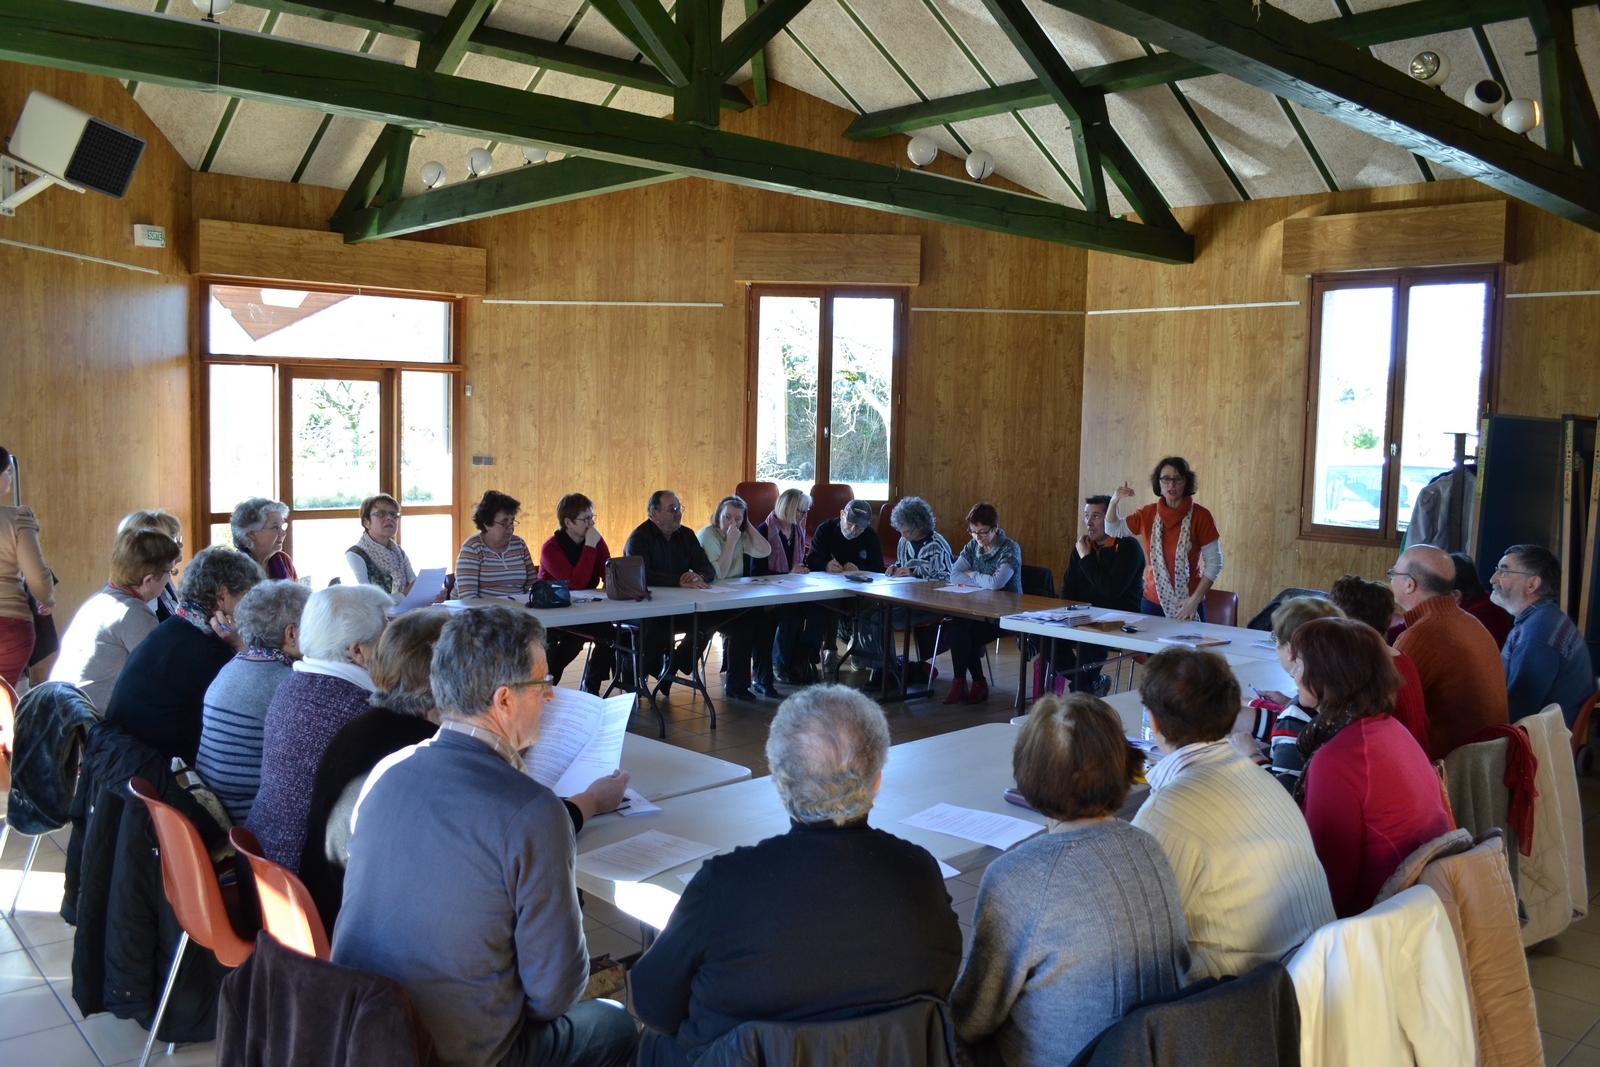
778, 563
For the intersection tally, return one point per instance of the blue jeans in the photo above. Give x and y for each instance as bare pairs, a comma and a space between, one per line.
1150, 607
592, 1034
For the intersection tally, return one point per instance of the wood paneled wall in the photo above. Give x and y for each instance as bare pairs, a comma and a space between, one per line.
94, 379
1226, 388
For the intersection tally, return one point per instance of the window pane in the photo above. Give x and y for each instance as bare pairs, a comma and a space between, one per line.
425, 448
242, 438
335, 442
1352, 406
222, 534
318, 547
863, 369
248, 321
429, 541
1444, 366
786, 401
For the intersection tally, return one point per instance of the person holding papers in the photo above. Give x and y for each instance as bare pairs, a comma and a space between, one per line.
1103, 572
461, 879
833, 919
577, 554
377, 559
1056, 956
732, 544
1180, 541
494, 561
991, 560
1246, 869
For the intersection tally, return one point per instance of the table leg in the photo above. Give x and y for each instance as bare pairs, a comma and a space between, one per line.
698, 676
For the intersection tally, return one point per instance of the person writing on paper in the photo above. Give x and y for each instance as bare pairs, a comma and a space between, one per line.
494, 561
1180, 541
377, 559
672, 557
847, 544
990, 560
1247, 872
832, 919
1055, 957
496, 973
732, 543
577, 554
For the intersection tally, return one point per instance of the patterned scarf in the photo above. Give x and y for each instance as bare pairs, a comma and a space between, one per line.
1168, 586
195, 615
266, 655
387, 559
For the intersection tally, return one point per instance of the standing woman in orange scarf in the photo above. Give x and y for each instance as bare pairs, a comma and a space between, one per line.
1180, 539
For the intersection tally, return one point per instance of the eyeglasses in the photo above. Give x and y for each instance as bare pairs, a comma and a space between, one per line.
676, 509
509, 524
384, 513
1393, 574
547, 682
981, 532
585, 520
1165, 480
1503, 569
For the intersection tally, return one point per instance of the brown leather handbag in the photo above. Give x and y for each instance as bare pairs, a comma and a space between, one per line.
625, 578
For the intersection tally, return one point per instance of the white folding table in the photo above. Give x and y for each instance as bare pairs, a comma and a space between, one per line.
658, 771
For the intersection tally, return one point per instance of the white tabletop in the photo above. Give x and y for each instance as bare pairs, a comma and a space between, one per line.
1260, 673
968, 768
662, 602
1151, 628
658, 770
773, 590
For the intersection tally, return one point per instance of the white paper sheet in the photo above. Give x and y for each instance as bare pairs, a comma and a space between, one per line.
580, 739
959, 589
641, 857
984, 827
635, 804
423, 590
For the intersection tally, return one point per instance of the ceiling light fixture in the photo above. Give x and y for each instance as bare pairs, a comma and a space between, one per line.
980, 165
1485, 97
1430, 67
1521, 115
922, 149
479, 162
432, 174
210, 9
534, 155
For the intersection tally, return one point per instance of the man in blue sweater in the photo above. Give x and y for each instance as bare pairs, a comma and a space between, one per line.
461, 886
1546, 659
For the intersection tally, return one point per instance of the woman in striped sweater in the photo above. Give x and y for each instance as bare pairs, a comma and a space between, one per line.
494, 561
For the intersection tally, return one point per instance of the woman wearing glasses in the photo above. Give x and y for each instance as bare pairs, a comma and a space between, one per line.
377, 559
1180, 541
991, 560
577, 554
494, 561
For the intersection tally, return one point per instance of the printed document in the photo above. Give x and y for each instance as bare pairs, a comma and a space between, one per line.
423, 590
984, 827
641, 857
580, 739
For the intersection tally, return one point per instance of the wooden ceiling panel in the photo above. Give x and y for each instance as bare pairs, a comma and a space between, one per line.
317, 31
597, 35
496, 71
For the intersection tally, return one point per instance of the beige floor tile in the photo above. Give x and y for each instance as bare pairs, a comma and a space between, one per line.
18, 972
117, 1040
1565, 1016
1554, 1048
40, 927
1582, 1056
1564, 976
62, 1046
960, 892
203, 1054
1573, 944
29, 1010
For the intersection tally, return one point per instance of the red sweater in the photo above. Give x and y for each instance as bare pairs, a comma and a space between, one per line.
1409, 706
1371, 798
584, 574
1463, 678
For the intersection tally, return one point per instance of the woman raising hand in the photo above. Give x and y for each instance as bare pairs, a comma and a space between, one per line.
1180, 539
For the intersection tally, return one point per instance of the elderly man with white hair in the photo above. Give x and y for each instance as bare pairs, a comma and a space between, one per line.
831, 920
339, 629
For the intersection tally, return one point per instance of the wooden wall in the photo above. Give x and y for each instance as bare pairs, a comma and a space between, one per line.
94, 379
1226, 388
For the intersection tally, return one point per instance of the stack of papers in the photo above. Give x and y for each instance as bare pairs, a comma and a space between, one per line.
984, 827
423, 591
1070, 616
634, 803
959, 589
641, 857
1194, 640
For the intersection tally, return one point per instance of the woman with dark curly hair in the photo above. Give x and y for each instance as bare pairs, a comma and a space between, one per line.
1180, 539
494, 561
1373, 604
1369, 794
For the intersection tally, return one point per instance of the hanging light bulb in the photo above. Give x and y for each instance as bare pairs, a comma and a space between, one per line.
1521, 115
1485, 97
922, 149
479, 162
210, 9
980, 165
534, 155
432, 174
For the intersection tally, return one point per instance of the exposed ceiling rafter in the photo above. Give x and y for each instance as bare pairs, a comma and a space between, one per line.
186, 54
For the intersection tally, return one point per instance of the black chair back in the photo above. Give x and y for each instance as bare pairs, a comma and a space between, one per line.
1038, 581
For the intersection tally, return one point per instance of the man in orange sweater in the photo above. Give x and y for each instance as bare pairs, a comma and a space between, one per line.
1463, 677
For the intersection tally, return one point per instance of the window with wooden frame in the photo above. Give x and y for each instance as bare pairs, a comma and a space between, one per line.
1400, 362
825, 386
321, 397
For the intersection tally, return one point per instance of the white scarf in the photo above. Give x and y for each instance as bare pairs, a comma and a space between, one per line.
1177, 761
389, 559
347, 671
1168, 586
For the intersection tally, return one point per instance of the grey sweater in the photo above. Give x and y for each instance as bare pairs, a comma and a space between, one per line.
1070, 931
229, 760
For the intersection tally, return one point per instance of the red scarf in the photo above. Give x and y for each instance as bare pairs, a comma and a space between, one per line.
1521, 766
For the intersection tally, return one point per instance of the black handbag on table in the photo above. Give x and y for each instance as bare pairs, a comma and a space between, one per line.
550, 593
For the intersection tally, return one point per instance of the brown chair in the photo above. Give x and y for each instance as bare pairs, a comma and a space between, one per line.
194, 893
887, 534
1222, 608
287, 911
1582, 751
828, 499
762, 498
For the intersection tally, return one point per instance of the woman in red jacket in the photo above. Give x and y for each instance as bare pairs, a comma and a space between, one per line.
1369, 794
577, 554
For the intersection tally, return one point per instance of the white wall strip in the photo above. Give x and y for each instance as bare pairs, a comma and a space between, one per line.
1003, 311
608, 303
78, 255
1573, 292
1198, 307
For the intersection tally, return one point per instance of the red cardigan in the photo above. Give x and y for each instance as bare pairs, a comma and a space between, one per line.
1409, 706
585, 574
1371, 798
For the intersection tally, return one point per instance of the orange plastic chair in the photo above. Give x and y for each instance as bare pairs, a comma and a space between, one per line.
287, 911
1222, 608
761, 497
827, 500
194, 893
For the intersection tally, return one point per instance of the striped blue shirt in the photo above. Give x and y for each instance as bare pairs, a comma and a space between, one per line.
230, 734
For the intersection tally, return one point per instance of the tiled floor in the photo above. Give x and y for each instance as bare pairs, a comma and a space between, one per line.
40, 1024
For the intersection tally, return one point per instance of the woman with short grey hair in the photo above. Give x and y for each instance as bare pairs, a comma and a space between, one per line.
826, 751
259, 527
833, 914
339, 632
268, 619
